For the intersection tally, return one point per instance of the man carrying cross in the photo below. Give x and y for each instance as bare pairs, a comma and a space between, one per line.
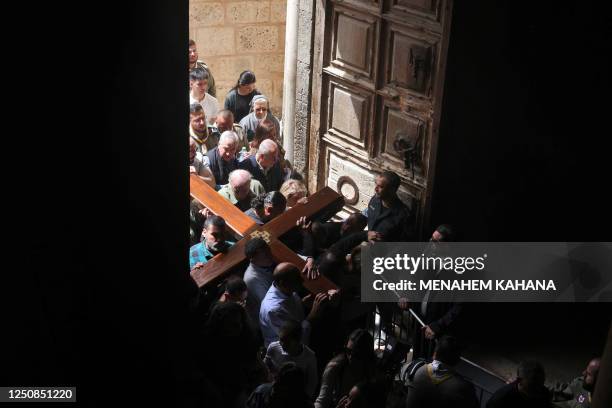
213, 243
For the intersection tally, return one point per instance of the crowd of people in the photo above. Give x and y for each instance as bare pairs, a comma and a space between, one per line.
264, 340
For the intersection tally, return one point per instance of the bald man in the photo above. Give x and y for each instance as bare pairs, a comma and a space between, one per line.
282, 304
241, 189
265, 165
579, 392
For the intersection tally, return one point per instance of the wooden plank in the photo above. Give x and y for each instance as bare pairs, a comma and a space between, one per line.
238, 221
282, 253
324, 201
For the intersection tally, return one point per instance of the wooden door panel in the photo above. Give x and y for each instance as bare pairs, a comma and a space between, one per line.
400, 126
354, 42
381, 81
426, 8
410, 61
349, 113
354, 181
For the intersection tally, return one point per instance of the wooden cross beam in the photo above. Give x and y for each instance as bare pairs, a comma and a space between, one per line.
320, 204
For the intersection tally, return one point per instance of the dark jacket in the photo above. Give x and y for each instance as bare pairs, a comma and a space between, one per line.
271, 181
396, 223
219, 167
432, 391
509, 396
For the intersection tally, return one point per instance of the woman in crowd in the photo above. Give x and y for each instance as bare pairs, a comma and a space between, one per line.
238, 100
356, 364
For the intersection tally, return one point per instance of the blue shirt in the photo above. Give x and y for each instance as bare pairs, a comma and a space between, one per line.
200, 253
276, 310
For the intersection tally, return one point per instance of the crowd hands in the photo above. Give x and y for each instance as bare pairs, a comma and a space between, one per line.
263, 340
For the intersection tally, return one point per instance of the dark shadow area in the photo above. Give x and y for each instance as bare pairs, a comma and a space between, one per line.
100, 213
522, 152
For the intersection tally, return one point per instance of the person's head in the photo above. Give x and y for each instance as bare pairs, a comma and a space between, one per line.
290, 337
197, 118
240, 183
354, 223
214, 232
257, 204
193, 52
261, 106
246, 83
531, 376
444, 233
447, 350
267, 154
288, 385
387, 184
590, 374
360, 347
225, 120
227, 320
287, 277
193, 148
235, 290
258, 252
274, 205
198, 81
264, 130
293, 190
296, 175
227, 145
332, 265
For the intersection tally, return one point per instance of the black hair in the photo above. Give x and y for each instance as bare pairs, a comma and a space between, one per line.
296, 175
195, 108
246, 78
288, 387
234, 285
214, 220
448, 350
275, 199
253, 246
392, 178
363, 345
198, 74
292, 330
257, 203
360, 219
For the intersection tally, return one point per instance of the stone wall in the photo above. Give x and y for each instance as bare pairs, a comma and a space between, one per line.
232, 36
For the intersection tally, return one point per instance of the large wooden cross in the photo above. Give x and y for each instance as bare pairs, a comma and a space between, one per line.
322, 202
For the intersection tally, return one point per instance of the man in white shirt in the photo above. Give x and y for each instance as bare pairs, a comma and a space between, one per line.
198, 83
290, 348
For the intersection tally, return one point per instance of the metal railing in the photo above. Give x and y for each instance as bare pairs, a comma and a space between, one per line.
403, 330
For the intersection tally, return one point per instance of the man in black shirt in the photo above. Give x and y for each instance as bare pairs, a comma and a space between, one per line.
222, 159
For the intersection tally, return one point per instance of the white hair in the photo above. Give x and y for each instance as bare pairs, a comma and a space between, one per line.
228, 135
261, 98
239, 176
266, 147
